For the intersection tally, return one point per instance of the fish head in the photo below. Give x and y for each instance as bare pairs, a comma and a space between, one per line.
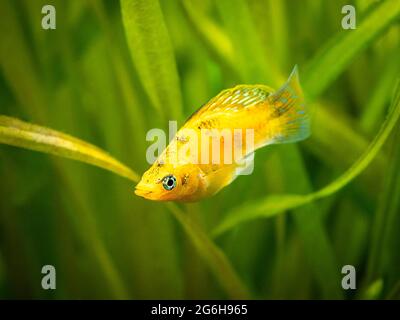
171, 183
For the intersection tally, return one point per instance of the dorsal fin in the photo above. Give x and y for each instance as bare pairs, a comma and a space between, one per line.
241, 95
234, 99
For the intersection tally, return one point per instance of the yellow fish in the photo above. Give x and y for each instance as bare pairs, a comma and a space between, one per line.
271, 116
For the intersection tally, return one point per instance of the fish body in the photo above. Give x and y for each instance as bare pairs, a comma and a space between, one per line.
186, 169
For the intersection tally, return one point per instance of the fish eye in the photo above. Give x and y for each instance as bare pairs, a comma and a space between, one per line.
169, 182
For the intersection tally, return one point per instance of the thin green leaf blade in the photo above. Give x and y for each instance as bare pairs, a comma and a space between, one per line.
338, 53
268, 207
152, 54
211, 34
30, 136
383, 254
252, 67
214, 256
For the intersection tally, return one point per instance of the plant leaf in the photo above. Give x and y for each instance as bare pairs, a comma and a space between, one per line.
374, 110
323, 69
383, 251
152, 54
213, 256
252, 67
212, 36
30, 136
275, 204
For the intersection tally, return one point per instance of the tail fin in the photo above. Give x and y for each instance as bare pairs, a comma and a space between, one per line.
290, 111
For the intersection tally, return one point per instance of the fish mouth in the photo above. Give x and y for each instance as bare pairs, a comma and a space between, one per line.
145, 192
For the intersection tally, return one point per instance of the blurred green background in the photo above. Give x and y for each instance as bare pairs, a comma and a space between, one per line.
112, 71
